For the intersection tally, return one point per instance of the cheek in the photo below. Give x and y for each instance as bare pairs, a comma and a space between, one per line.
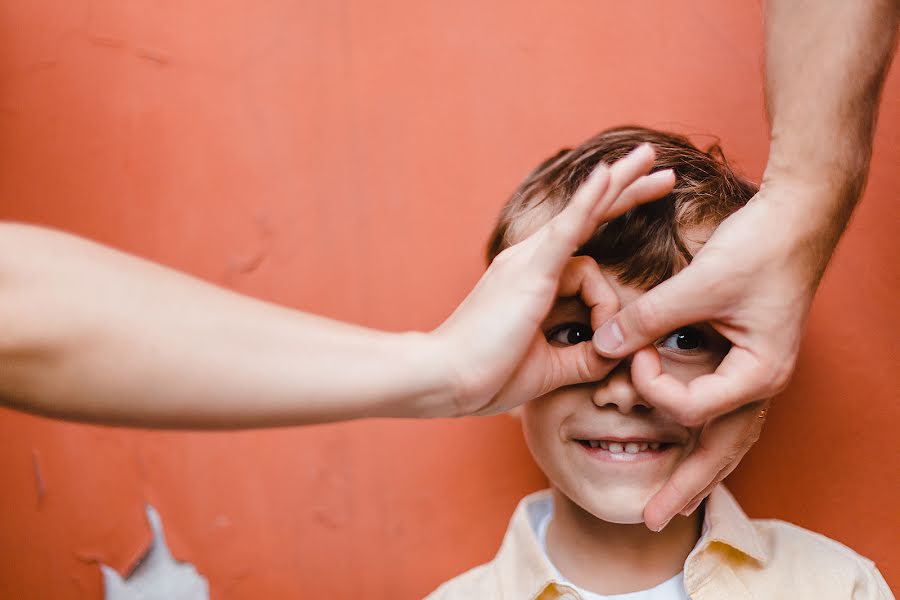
542, 420
539, 424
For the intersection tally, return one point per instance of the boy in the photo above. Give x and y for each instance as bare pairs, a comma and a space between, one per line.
606, 451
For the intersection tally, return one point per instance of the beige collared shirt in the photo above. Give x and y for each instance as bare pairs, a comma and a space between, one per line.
736, 558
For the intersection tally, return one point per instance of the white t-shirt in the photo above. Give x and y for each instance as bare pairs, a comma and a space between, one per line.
671, 589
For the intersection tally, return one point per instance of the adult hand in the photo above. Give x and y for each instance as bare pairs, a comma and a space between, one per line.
493, 342
754, 281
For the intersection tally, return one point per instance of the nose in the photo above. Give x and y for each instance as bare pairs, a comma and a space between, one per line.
616, 391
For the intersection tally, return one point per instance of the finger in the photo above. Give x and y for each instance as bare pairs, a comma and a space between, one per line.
576, 364
739, 379
557, 240
582, 277
623, 174
581, 363
563, 234
692, 506
754, 416
721, 445
674, 303
644, 189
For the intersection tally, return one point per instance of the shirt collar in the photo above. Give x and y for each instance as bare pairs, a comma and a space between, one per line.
522, 566
726, 523
524, 569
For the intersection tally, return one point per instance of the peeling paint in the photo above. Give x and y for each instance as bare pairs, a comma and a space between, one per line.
158, 576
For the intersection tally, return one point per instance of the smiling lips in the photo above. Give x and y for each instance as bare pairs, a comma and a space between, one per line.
625, 450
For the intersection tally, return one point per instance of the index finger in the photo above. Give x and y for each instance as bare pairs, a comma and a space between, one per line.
738, 380
721, 445
607, 192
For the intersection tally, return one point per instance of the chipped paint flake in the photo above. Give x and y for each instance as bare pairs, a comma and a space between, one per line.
158, 576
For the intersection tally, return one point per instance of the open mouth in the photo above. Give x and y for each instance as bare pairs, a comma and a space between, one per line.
625, 451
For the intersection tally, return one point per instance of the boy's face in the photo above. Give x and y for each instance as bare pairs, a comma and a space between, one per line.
602, 445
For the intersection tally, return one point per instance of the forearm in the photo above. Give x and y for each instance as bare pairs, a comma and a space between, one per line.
92, 334
826, 62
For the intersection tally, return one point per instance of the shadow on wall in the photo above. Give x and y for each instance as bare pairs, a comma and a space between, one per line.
158, 576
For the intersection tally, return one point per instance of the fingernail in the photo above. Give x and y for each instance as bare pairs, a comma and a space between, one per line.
663, 526
609, 337
664, 174
599, 171
642, 148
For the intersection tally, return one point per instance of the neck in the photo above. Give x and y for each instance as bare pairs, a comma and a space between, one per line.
611, 558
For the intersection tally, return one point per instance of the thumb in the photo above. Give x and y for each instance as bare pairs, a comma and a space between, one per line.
682, 300
578, 364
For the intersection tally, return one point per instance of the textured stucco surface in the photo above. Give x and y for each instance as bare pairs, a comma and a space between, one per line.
348, 158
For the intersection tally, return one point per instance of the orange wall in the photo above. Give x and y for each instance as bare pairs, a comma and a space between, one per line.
348, 158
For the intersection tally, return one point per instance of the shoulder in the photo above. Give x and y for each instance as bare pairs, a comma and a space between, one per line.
826, 564
479, 582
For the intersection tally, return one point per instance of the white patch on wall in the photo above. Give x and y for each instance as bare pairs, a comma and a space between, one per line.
158, 576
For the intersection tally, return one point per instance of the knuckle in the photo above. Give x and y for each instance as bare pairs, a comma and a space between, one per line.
504, 256
644, 314
555, 230
781, 375
692, 415
582, 261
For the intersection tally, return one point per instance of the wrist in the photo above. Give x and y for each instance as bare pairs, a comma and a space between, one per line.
813, 198
804, 219
432, 387
827, 176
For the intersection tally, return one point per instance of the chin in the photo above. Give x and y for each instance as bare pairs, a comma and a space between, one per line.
622, 504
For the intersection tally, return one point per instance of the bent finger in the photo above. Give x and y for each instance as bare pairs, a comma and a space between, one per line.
643, 190
582, 277
564, 233
720, 447
738, 380
754, 416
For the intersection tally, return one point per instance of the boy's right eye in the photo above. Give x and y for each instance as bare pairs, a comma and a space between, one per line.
569, 334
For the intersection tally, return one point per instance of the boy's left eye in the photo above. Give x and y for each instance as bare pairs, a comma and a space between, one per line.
570, 334
685, 339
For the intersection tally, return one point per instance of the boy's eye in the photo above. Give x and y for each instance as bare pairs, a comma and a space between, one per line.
687, 338
570, 334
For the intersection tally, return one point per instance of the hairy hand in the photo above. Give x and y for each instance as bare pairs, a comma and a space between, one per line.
753, 281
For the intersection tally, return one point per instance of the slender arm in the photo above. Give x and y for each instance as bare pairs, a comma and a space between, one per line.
89, 333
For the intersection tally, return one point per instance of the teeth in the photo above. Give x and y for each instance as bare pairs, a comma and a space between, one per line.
626, 447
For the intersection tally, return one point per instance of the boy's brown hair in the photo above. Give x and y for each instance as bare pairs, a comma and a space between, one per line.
645, 246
